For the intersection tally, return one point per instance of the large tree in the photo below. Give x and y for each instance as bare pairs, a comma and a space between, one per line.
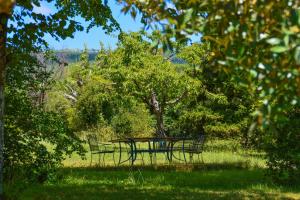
148, 75
22, 31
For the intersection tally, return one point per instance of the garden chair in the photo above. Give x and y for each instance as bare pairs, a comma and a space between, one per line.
194, 147
100, 148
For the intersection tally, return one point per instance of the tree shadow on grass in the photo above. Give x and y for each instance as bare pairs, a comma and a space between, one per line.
160, 182
172, 167
95, 192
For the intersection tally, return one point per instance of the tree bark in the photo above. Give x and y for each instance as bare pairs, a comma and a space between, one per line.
158, 111
3, 62
160, 128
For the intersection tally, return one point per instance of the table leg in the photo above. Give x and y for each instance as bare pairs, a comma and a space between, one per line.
120, 153
133, 151
150, 151
183, 151
169, 152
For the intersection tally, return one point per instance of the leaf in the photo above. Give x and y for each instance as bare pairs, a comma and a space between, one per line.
273, 41
279, 49
297, 55
188, 15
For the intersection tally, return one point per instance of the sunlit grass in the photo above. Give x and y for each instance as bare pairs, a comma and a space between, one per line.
219, 152
227, 173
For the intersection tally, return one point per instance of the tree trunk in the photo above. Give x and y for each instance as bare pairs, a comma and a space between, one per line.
160, 128
158, 111
3, 35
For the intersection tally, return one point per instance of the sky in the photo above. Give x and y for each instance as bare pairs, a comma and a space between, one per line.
96, 35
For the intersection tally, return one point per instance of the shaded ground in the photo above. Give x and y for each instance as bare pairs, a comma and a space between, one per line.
165, 182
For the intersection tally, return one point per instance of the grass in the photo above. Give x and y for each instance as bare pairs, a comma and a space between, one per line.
226, 174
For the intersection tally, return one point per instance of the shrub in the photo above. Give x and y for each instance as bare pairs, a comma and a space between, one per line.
36, 141
282, 143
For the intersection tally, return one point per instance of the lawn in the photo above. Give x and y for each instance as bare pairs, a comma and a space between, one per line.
228, 173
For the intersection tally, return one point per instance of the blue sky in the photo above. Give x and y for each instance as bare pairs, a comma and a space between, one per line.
94, 36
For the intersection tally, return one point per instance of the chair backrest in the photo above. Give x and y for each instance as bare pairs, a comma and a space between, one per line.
198, 144
93, 142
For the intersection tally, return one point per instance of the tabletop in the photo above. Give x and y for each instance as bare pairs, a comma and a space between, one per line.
150, 139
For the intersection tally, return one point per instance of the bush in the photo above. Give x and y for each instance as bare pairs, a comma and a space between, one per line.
36, 141
282, 143
136, 122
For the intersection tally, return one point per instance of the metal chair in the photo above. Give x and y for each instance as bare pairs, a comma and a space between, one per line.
100, 148
194, 147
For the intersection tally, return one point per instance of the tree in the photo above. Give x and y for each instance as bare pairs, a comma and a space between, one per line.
26, 29
257, 38
5, 11
223, 107
248, 36
147, 75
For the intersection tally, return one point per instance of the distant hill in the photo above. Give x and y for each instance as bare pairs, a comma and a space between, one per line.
72, 56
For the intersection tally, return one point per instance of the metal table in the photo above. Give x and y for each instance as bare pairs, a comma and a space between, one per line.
166, 145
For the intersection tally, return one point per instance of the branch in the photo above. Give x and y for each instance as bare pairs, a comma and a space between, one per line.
170, 57
70, 97
175, 101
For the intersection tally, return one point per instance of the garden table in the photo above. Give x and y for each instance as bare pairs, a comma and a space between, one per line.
165, 145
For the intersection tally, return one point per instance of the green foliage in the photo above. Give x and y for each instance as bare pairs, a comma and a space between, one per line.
153, 79
84, 58
257, 42
97, 99
283, 147
36, 141
220, 109
119, 82
135, 123
95, 102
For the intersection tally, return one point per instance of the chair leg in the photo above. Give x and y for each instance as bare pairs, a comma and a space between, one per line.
113, 155
166, 158
103, 160
99, 159
91, 159
142, 155
179, 155
184, 158
191, 158
151, 158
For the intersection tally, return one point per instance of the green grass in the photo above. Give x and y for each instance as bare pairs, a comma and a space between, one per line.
159, 183
228, 173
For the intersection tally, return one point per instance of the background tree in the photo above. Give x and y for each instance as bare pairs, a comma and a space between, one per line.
222, 108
